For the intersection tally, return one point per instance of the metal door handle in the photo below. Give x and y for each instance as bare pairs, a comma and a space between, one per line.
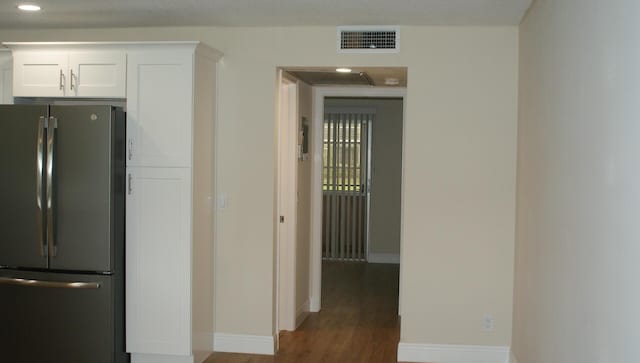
54, 284
51, 140
61, 80
130, 149
39, 196
71, 76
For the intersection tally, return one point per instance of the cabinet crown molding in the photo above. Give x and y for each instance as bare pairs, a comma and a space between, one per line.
200, 47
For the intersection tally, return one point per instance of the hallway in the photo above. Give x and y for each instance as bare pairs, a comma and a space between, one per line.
358, 321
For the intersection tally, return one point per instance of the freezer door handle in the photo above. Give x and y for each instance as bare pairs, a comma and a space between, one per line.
39, 196
51, 140
53, 284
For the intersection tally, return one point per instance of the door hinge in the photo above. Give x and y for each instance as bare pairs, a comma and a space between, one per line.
281, 219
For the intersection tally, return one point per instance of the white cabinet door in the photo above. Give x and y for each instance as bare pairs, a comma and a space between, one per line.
39, 74
6, 70
159, 108
97, 74
158, 254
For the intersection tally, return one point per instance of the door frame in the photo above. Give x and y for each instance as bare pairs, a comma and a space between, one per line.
287, 174
319, 94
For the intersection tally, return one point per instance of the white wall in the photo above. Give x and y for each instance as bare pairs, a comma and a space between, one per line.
203, 222
459, 169
386, 173
577, 296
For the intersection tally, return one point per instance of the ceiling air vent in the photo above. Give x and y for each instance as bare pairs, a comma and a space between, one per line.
368, 39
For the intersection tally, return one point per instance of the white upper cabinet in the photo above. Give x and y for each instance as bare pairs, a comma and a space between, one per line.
68, 73
160, 108
39, 74
97, 74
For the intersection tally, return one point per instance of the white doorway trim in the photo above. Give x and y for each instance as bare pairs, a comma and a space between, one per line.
286, 200
319, 94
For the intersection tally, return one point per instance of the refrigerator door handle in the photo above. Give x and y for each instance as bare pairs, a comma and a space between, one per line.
51, 140
39, 196
54, 284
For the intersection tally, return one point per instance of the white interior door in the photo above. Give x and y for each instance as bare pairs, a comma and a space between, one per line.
287, 200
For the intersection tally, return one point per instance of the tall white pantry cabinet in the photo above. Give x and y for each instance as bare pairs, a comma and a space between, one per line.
171, 108
170, 91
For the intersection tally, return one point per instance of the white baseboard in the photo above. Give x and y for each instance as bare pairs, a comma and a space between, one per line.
240, 343
512, 357
437, 353
314, 304
383, 258
160, 358
302, 312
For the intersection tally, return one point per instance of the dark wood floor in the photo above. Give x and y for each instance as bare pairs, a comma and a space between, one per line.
358, 321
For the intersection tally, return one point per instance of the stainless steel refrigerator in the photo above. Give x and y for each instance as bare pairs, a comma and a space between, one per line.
62, 195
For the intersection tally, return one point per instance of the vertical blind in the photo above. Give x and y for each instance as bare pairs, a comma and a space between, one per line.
345, 185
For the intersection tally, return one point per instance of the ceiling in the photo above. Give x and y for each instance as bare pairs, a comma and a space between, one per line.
136, 13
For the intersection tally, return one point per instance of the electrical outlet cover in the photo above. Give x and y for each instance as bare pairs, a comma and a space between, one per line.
488, 322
